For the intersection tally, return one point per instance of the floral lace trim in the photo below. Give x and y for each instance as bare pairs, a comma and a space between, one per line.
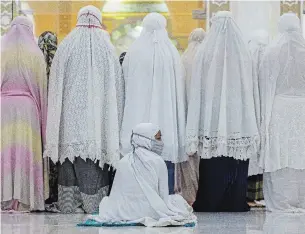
208, 147
85, 150
230, 142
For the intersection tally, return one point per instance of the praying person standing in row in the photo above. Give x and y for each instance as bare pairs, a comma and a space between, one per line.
85, 112
195, 39
221, 123
23, 119
155, 90
283, 118
47, 42
187, 173
257, 45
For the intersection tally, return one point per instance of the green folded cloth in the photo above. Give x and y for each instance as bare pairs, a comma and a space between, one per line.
94, 223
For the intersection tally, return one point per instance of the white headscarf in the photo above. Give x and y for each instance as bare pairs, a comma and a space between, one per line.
221, 113
282, 73
86, 94
258, 41
195, 38
155, 88
143, 134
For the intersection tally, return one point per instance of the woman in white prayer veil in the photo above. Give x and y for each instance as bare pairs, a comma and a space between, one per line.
282, 76
86, 97
187, 173
257, 44
140, 193
221, 123
155, 90
195, 39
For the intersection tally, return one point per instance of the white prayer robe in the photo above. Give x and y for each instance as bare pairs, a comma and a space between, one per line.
140, 190
221, 112
155, 88
283, 118
86, 95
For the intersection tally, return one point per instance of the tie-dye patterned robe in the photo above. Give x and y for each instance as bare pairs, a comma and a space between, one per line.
23, 117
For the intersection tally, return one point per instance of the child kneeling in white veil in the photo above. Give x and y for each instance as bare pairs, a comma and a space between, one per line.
140, 192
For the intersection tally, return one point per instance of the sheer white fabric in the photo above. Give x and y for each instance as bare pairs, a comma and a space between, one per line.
221, 112
257, 44
195, 39
86, 95
155, 88
145, 198
283, 99
284, 190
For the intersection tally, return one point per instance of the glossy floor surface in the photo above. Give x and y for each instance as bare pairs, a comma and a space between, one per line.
253, 222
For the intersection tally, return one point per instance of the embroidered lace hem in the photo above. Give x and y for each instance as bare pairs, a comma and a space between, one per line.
85, 150
238, 148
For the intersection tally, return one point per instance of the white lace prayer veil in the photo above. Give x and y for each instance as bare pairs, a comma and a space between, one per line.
221, 113
195, 38
155, 88
282, 71
86, 94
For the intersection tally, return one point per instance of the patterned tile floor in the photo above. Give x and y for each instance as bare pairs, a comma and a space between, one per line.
254, 222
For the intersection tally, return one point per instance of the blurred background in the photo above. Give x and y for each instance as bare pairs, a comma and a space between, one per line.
121, 18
